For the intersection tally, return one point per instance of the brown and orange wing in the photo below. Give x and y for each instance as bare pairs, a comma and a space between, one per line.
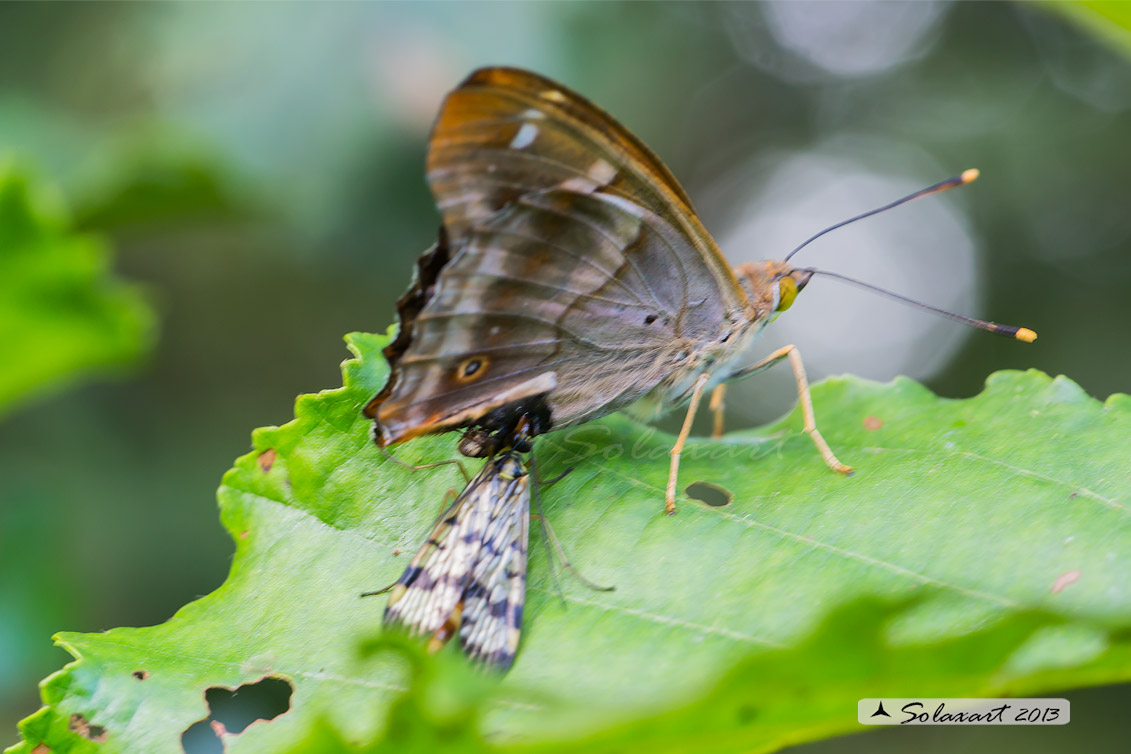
506, 132
578, 269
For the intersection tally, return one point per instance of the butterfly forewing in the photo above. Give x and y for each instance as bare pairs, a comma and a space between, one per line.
532, 134
470, 576
506, 132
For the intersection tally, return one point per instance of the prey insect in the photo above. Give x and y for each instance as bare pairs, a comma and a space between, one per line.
469, 578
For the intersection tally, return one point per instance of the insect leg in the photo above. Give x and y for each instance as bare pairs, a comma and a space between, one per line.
560, 552
718, 408
554, 544
421, 467
794, 357
677, 449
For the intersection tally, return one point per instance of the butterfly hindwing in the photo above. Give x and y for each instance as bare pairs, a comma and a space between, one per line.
584, 287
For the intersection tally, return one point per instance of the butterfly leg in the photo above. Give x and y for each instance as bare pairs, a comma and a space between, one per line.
718, 409
794, 357
677, 449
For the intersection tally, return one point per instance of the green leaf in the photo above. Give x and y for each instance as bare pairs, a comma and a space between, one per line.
996, 525
62, 313
1107, 20
766, 701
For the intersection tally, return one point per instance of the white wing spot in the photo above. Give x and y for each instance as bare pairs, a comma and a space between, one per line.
532, 114
553, 95
579, 184
602, 172
467, 197
525, 136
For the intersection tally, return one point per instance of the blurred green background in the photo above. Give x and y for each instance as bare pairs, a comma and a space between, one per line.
259, 167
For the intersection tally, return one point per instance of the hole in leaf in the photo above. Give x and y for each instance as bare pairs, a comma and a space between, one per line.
201, 739
80, 725
141, 675
711, 494
236, 710
230, 712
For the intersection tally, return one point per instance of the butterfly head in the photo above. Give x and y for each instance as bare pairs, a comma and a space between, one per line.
772, 286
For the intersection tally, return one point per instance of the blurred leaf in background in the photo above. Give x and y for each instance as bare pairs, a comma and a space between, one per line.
64, 317
154, 178
63, 314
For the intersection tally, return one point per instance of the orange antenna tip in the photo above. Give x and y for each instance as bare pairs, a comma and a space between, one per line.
959, 180
1025, 334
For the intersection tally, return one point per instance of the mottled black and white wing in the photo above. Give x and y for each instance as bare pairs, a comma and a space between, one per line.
469, 578
492, 611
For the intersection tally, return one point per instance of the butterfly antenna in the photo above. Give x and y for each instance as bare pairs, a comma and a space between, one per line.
959, 180
1018, 333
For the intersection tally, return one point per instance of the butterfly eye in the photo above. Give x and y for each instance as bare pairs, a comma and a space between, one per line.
787, 292
471, 369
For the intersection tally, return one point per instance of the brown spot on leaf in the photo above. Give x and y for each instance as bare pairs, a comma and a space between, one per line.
1073, 494
1064, 580
396, 553
41, 749
79, 724
872, 423
243, 534
267, 459
141, 675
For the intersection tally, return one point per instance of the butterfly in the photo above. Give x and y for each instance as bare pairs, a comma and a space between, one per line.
469, 578
571, 278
